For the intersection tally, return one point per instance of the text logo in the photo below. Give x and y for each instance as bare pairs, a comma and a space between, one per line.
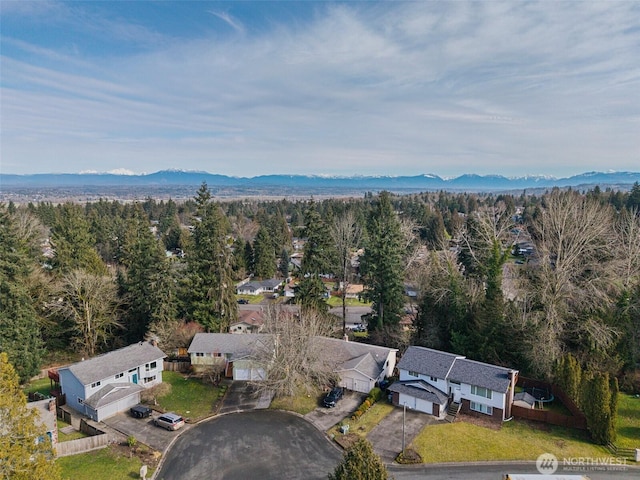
547, 463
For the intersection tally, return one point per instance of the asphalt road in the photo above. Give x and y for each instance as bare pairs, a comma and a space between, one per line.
261, 445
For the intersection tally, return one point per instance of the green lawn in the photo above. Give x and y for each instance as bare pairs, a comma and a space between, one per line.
188, 396
516, 440
63, 437
366, 422
104, 464
302, 404
628, 424
351, 302
42, 385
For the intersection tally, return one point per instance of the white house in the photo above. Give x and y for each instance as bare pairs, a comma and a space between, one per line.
359, 366
110, 383
259, 287
431, 380
249, 321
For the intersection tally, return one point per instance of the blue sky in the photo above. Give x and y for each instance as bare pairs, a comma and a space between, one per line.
328, 88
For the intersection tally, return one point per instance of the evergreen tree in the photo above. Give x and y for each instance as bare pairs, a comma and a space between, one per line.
633, 201
146, 285
283, 266
318, 251
210, 288
381, 265
25, 451
596, 406
73, 243
264, 256
568, 376
360, 463
310, 294
19, 333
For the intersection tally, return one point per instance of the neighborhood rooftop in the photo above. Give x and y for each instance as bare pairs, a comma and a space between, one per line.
434, 363
117, 361
239, 345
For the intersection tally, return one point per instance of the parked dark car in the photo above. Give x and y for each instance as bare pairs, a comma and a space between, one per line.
332, 397
243, 301
140, 411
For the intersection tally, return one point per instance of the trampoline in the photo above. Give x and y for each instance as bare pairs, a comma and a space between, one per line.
541, 395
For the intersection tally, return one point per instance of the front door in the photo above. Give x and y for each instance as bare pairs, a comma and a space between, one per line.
134, 378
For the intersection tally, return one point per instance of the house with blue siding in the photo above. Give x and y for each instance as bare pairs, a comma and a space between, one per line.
111, 383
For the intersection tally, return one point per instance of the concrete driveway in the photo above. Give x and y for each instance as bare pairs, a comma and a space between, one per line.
241, 397
261, 444
143, 430
386, 437
325, 418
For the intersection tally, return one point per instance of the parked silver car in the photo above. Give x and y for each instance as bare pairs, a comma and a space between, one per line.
170, 421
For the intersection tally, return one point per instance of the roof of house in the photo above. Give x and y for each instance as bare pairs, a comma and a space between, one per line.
112, 393
435, 363
237, 346
343, 355
524, 397
250, 317
365, 364
427, 361
419, 389
346, 355
117, 361
481, 374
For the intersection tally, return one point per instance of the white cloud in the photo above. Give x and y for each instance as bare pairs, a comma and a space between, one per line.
436, 87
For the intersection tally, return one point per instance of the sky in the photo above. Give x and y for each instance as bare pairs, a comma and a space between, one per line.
320, 88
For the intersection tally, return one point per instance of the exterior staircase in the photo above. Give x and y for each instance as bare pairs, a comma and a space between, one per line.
452, 411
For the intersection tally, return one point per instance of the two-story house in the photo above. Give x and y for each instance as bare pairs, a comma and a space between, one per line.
110, 383
431, 380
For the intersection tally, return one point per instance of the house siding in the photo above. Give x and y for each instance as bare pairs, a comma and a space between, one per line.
465, 408
73, 390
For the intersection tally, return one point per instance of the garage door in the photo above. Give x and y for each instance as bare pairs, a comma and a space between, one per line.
248, 374
424, 406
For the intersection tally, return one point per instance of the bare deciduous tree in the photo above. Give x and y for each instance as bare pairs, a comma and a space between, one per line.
291, 357
573, 238
345, 233
90, 303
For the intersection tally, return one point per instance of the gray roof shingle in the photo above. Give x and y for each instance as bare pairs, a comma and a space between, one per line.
427, 361
449, 366
237, 346
117, 361
481, 374
419, 389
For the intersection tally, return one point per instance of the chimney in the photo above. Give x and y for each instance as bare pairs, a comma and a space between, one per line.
153, 342
513, 374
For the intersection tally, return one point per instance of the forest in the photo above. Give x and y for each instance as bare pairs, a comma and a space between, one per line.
534, 282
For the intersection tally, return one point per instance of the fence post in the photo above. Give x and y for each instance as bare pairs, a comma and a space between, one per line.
637, 454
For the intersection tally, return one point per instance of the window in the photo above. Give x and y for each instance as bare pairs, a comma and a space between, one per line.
150, 366
482, 408
119, 375
433, 379
149, 379
80, 401
95, 384
413, 374
199, 354
480, 391
133, 370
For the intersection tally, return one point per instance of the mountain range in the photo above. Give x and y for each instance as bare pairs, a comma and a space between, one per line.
426, 182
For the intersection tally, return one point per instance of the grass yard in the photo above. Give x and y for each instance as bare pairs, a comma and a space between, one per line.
105, 464
188, 396
628, 423
302, 403
516, 440
63, 437
42, 385
351, 302
366, 422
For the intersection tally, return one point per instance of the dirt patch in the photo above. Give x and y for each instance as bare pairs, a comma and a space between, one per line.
409, 456
147, 455
479, 421
346, 441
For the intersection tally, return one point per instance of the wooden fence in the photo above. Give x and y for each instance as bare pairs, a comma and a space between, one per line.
97, 439
177, 366
575, 420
